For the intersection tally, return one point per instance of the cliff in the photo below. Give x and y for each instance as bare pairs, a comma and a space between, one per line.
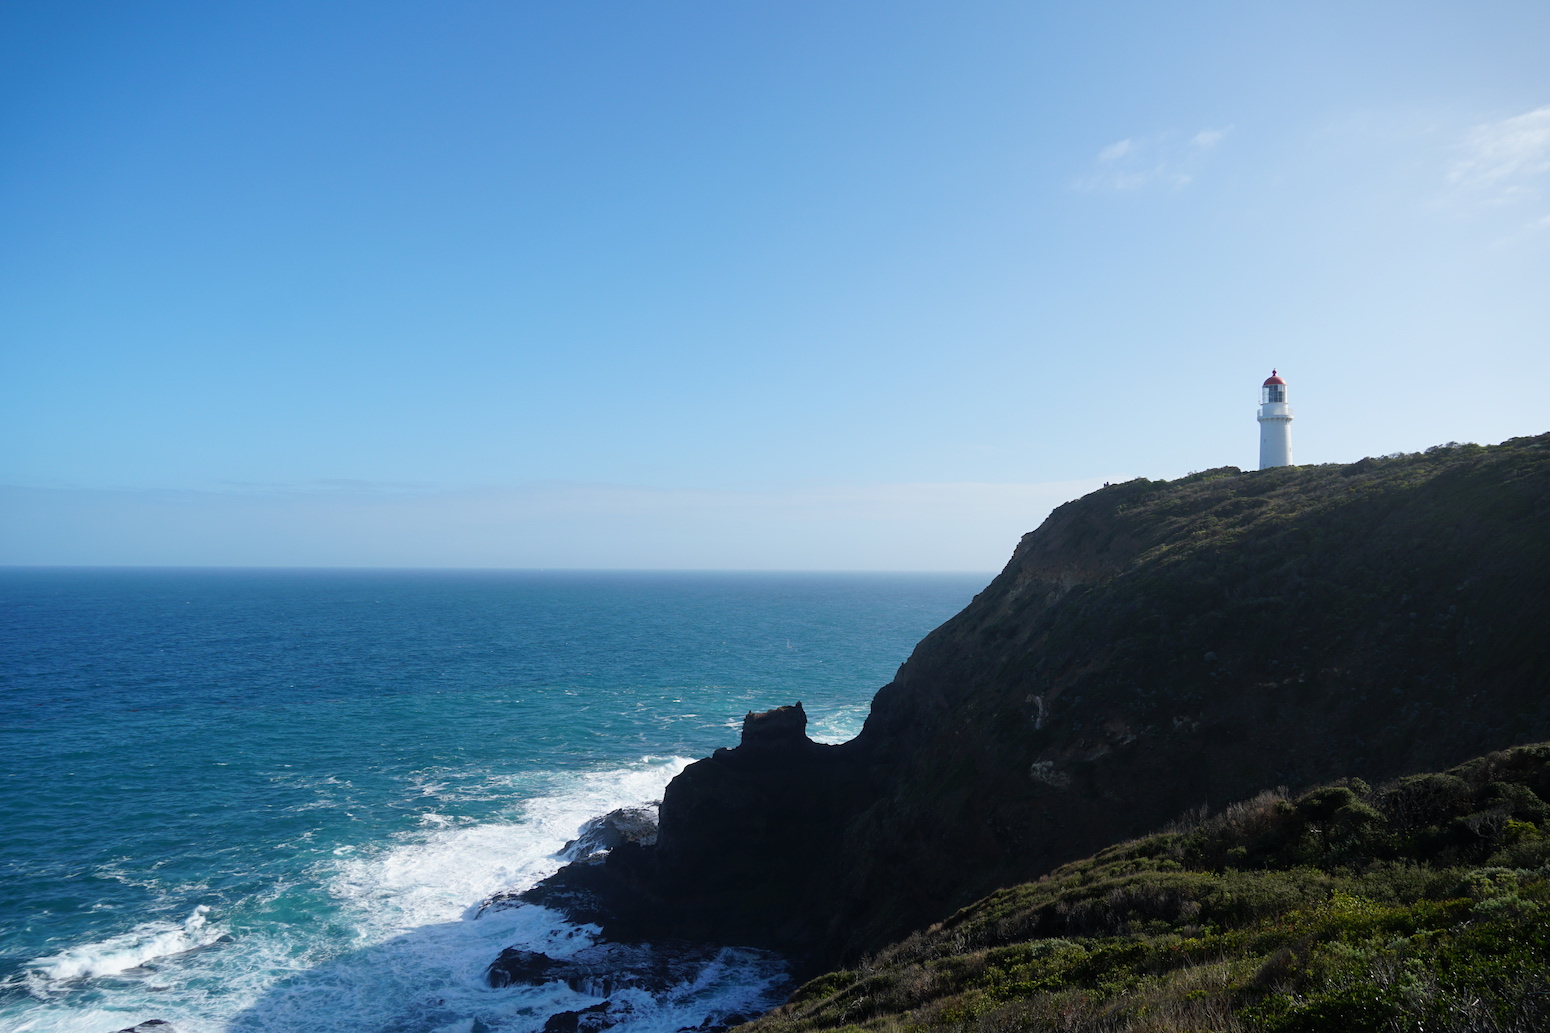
1151, 648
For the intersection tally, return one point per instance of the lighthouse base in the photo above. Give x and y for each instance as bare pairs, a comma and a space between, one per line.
1275, 441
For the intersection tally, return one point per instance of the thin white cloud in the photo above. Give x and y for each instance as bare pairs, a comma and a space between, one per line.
1116, 151
1165, 160
1208, 138
1508, 158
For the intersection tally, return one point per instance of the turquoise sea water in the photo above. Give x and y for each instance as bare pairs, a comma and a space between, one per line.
245, 800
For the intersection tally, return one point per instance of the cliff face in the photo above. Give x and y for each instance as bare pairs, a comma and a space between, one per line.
1152, 647
746, 845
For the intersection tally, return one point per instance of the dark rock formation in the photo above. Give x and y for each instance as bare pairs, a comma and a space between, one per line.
744, 828
625, 825
605, 968
636, 826
517, 967
1151, 648
586, 1020
149, 1026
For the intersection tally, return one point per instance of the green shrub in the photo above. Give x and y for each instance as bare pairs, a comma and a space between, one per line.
1419, 905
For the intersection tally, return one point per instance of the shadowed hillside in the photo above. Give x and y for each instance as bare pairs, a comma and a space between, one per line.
1418, 906
1151, 648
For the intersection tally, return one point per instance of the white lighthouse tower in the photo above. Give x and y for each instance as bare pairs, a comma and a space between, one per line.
1275, 424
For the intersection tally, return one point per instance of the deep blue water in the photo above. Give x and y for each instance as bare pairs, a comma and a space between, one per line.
272, 800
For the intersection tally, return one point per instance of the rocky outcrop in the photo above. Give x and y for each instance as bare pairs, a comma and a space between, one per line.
1151, 648
603, 969
584, 1020
737, 832
617, 827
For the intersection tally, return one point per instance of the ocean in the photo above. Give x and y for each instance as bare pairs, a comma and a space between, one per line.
240, 800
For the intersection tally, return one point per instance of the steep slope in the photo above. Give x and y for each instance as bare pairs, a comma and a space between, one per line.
1155, 647
1418, 906
1152, 647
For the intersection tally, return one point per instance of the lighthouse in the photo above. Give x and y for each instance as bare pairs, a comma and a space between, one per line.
1275, 424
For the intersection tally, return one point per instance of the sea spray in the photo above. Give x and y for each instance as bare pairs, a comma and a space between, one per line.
129, 951
405, 947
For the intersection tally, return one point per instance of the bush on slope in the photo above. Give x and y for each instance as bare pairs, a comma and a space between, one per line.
1420, 905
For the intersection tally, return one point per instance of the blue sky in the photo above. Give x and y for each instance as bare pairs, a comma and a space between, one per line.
795, 284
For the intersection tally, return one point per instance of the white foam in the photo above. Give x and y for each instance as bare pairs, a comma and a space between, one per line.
837, 726
425, 953
118, 954
403, 947
437, 874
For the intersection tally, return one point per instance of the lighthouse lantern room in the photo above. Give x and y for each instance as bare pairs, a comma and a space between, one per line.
1275, 424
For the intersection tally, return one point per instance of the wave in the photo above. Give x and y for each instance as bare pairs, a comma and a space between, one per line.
388, 935
127, 951
838, 725
425, 946
441, 873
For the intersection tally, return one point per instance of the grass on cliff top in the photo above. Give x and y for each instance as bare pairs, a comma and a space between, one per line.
1375, 550
1289, 489
1423, 905
1212, 508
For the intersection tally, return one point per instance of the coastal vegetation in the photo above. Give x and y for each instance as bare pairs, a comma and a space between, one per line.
1417, 906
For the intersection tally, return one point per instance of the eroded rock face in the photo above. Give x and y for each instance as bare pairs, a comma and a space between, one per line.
518, 967
737, 830
625, 825
584, 1020
606, 968
783, 729
1151, 647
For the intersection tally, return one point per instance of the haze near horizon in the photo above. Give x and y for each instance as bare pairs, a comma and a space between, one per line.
755, 286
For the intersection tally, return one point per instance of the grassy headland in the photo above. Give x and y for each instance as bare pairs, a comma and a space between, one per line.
1151, 648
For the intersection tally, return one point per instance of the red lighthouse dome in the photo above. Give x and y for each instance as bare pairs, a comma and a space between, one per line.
1274, 389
